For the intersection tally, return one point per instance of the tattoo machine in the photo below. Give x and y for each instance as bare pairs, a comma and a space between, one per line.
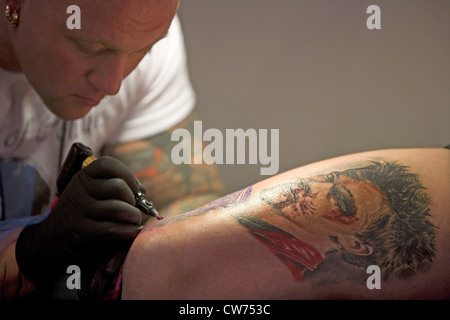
80, 156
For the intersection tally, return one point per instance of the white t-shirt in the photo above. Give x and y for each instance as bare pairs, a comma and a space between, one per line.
155, 96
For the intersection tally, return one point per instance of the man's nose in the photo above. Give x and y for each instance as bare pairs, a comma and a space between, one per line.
108, 74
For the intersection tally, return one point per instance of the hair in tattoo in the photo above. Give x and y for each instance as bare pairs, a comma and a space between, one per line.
402, 239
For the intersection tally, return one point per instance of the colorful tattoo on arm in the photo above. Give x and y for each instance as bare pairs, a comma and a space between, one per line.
165, 183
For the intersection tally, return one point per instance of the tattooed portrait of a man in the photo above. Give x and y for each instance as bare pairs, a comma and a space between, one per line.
376, 214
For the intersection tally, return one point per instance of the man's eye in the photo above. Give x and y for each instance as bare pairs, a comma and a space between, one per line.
92, 51
344, 201
346, 207
89, 49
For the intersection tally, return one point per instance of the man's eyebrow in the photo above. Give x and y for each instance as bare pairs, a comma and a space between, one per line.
148, 48
112, 46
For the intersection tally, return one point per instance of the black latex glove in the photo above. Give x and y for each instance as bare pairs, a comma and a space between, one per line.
100, 277
94, 218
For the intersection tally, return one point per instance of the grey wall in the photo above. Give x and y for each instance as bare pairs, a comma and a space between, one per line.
313, 70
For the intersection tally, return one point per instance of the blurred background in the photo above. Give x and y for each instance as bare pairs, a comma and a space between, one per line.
313, 70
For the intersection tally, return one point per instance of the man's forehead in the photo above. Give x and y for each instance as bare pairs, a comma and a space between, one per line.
124, 30
143, 6
139, 11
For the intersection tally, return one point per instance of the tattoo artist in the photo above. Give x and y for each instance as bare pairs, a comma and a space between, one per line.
97, 85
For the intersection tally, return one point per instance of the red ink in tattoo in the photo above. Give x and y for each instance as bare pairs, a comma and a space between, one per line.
294, 253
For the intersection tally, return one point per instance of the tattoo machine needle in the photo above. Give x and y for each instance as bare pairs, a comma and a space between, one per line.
80, 156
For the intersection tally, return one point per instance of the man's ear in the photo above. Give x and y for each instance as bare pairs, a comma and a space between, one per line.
353, 245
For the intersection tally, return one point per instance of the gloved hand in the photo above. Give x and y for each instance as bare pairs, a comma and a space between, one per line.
94, 217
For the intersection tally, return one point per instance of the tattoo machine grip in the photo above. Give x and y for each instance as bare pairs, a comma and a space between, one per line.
80, 156
78, 153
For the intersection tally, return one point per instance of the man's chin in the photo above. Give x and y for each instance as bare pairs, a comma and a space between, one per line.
70, 112
71, 108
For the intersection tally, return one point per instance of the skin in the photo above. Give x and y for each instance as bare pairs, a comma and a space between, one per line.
73, 70
216, 252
